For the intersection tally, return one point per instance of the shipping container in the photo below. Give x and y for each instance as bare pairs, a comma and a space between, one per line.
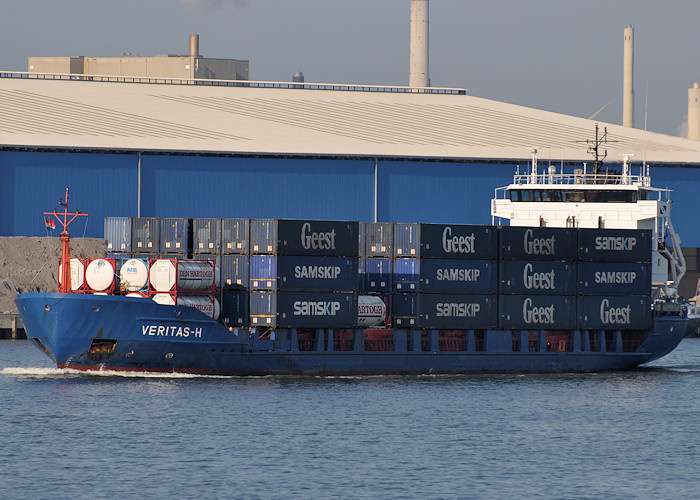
118, 234
206, 303
537, 277
375, 274
376, 239
407, 240
206, 236
458, 276
234, 307
234, 271
133, 275
145, 235
406, 274
534, 312
537, 243
404, 310
614, 313
286, 309
614, 278
618, 245
458, 241
303, 272
175, 235
458, 311
304, 237
235, 236
77, 273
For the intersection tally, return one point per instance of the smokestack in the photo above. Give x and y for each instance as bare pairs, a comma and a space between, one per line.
627, 78
194, 45
418, 68
694, 112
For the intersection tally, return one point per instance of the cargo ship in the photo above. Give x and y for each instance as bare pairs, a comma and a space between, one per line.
583, 279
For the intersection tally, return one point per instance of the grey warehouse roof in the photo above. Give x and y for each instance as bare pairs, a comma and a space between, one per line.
41, 111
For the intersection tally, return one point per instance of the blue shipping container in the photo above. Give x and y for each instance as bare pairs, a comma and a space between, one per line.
404, 310
286, 309
235, 236
457, 241
537, 243
614, 278
206, 236
118, 234
618, 245
375, 274
145, 235
458, 311
538, 277
174, 235
457, 276
304, 237
376, 239
614, 313
303, 272
407, 240
406, 275
534, 312
234, 270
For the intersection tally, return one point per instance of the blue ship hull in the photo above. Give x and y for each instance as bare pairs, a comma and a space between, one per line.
94, 332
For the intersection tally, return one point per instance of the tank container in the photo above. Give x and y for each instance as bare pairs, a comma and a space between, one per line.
538, 277
457, 276
235, 236
303, 272
304, 237
534, 312
208, 304
458, 241
118, 234
206, 236
614, 313
234, 307
178, 275
235, 270
614, 245
99, 275
407, 240
175, 235
614, 278
404, 310
537, 243
287, 309
406, 274
375, 274
133, 274
145, 232
371, 311
458, 311
376, 239
77, 274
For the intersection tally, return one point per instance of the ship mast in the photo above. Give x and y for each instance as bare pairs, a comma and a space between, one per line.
63, 219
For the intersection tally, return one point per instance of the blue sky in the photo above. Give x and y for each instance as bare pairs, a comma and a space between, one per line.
558, 55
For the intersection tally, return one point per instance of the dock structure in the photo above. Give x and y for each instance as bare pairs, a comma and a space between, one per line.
11, 327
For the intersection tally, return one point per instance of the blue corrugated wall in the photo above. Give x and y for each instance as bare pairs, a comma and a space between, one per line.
198, 186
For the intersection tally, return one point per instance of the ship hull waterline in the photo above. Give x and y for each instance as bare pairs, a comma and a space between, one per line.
92, 332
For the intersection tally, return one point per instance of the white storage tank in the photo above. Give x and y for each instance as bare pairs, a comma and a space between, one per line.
133, 275
99, 274
371, 311
77, 273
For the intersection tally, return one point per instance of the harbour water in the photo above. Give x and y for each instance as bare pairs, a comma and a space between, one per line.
601, 435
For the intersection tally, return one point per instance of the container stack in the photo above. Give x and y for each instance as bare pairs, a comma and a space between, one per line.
406, 275
375, 267
234, 268
303, 273
184, 282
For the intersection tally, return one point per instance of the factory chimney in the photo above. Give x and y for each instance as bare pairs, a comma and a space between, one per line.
418, 67
194, 45
627, 78
694, 112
